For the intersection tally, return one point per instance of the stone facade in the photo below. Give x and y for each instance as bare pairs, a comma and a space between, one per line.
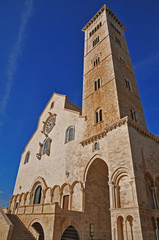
96, 170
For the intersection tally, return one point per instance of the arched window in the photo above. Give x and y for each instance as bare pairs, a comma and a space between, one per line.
120, 231
26, 157
37, 195
45, 147
70, 134
99, 116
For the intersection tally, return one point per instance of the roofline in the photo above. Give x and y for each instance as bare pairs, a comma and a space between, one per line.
104, 8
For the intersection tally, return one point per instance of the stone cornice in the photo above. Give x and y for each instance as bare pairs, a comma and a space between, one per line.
142, 130
117, 124
104, 132
106, 8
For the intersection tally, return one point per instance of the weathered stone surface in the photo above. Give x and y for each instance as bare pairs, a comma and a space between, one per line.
104, 173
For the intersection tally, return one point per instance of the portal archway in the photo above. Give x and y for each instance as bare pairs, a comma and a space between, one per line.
70, 233
97, 202
37, 226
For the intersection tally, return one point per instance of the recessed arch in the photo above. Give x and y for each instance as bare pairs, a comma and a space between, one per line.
150, 191
120, 231
97, 197
39, 229
96, 156
122, 189
70, 233
39, 181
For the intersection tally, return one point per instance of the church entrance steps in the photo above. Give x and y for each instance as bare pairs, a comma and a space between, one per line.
20, 232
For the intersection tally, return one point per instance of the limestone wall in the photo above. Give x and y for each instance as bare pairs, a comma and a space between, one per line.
5, 226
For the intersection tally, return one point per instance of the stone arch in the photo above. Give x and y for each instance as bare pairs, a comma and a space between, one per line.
150, 190
70, 233
38, 182
89, 164
120, 229
17, 202
12, 203
36, 227
47, 195
22, 199
27, 198
77, 196
122, 191
56, 194
65, 194
97, 198
129, 227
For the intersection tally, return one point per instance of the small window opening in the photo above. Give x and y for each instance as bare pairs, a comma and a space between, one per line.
52, 105
96, 146
99, 117
127, 83
122, 61
97, 84
133, 115
118, 41
27, 157
70, 132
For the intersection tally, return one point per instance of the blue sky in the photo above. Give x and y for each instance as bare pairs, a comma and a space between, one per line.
41, 51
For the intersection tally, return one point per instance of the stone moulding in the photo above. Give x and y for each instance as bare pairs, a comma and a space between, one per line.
105, 7
117, 124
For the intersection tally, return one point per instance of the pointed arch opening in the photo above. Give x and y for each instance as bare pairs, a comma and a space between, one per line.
97, 198
39, 229
70, 233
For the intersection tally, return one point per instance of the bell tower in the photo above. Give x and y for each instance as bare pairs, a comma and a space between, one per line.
109, 87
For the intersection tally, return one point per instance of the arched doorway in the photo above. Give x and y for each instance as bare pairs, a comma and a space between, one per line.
97, 201
70, 234
37, 226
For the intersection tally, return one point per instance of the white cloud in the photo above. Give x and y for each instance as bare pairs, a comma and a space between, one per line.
15, 54
1, 192
147, 62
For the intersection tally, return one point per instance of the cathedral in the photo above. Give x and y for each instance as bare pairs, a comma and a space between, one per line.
90, 173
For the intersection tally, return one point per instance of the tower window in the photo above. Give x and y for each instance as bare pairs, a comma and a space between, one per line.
122, 61
96, 61
118, 41
52, 105
99, 116
27, 157
115, 28
133, 115
37, 196
97, 84
95, 29
127, 83
70, 134
95, 41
